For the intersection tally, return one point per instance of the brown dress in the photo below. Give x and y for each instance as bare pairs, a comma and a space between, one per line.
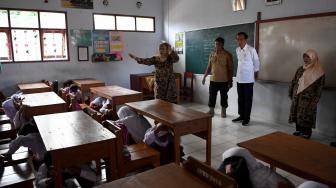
304, 105
164, 86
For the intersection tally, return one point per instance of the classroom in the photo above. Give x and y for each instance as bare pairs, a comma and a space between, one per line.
168, 93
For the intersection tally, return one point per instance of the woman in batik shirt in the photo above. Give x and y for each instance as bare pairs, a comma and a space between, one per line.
305, 92
164, 86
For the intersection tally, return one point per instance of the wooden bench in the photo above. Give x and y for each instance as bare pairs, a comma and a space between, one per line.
20, 156
141, 154
7, 130
208, 174
94, 114
17, 176
4, 119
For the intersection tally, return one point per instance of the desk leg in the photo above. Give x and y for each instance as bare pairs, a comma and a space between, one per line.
208, 142
110, 164
177, 139
58, 176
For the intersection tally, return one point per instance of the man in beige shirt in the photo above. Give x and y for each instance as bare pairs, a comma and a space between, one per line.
220, 65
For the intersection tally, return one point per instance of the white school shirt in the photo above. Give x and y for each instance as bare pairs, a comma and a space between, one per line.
248, 64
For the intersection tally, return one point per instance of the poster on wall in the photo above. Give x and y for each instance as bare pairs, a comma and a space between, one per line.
107, 46
101, 42
179, 42
84, 4
81, 37
116, 42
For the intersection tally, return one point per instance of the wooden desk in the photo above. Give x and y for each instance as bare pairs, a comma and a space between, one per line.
34, 88
74, 138
167, 176
182, 120
118, 95
305, 158
85, 85
139, 83
43, 103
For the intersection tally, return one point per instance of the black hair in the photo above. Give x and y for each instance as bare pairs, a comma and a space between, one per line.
68, 83
239, 171
74, 88
47, 159
244, 34
220, 40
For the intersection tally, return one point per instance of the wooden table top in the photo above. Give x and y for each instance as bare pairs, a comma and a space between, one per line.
166, 176
33, 86
167, 113
70, 129
110, 92
88, 82
42, 99
306, 158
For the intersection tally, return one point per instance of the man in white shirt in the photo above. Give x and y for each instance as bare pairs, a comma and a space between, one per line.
247, 72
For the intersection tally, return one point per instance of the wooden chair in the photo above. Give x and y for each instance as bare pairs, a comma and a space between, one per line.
141, 154
188, 89
7, 130
20, 156
4, 119
208, 174
17, 176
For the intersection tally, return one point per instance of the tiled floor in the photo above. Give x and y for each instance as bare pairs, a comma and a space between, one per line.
226, 134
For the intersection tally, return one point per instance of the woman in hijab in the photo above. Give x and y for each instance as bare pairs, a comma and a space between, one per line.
305, 91
260, 176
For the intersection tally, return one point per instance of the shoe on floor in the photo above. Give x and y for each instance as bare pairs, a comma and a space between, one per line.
245, 122
305, 136
211, 111
238, 119
333, 144
297, 133
223, 113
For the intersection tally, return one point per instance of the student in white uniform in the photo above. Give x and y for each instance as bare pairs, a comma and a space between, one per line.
247, 72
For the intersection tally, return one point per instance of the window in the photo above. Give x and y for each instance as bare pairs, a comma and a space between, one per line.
144, 24
104, 22
33, 36
126, 23
123, 23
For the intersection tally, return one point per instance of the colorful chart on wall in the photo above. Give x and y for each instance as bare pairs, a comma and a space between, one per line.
107, 46
101, 42
179, 42
81, 37
85, 4
116, 42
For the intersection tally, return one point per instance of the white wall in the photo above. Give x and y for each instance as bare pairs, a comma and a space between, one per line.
270, 100
142, 44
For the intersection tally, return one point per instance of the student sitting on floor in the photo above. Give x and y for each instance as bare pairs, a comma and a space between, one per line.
259, 175
66, 86
11, 105
97, 103
75, 97
44, 177
159, 137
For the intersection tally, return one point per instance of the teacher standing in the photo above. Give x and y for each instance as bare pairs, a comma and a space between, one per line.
164, 85
305, 92
247, 73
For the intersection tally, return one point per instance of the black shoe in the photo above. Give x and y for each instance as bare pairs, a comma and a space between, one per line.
245, 122
305, 136
297, 133
238, 119
333, 144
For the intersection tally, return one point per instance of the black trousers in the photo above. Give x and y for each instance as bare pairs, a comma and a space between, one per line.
245, 96
223, 88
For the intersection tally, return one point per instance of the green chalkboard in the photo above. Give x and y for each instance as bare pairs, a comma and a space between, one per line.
200, 43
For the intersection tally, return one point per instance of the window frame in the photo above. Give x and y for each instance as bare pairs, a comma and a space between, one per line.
40, 31
115, 22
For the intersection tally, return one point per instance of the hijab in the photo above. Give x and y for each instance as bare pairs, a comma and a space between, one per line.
312, 71
260, 175
312, 184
